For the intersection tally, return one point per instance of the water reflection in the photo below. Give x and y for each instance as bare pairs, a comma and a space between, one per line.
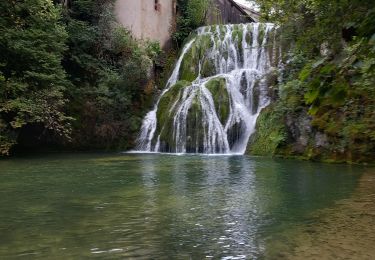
159, 206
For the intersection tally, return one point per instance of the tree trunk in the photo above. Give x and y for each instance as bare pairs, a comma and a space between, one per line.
65, 3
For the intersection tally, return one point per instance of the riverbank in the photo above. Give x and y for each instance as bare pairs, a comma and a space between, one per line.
345, 231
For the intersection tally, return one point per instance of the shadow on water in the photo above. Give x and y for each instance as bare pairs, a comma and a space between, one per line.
159, 206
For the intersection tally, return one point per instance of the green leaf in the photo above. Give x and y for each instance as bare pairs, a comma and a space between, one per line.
312, 96
313, 110
318, 63
305, 73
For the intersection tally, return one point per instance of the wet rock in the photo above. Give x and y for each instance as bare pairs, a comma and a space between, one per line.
321, 140
300, 130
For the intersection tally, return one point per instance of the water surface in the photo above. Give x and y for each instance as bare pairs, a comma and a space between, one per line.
160, 206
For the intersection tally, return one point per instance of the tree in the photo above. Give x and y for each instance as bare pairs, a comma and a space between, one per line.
32, 79
109, 70
191, 15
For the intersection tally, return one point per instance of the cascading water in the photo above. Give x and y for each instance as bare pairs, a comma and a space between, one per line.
217, 89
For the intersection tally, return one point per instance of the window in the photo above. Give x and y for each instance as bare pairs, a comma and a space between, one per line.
175, 7
157, 5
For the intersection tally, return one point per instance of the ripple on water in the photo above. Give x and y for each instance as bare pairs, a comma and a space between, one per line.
162, 206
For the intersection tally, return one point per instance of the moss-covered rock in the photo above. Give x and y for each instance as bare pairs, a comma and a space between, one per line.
256, 97
199, 51
243, 84
189, 70
204, 44
237, 36
223, 31
167, 109
270, 47
261, 34
169, 99
208, 68
248, 36
270, 133
165, 114
217, 87
234, 132
194, 133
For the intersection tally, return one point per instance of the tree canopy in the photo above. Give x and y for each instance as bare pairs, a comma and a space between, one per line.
32, 79
70, 73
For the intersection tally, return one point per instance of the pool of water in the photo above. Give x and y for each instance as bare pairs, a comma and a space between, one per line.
159, 206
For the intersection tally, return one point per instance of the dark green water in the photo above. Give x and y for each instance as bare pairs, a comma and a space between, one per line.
75, 206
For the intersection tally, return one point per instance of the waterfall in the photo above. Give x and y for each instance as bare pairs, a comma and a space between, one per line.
217, 89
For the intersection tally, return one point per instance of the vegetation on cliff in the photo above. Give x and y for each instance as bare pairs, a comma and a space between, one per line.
326, 99
191, 15
70, 76
110, 72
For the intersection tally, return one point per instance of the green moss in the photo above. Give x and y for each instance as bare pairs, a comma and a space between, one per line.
270, 46
223, 31
168, 99
256, 96
237, 34
216, 39
189, 70
203, 44
166, 134
161, 79
215, 32
165, 113
208, 68
217, 87
248, 36
194, 133
270, 133
262, 32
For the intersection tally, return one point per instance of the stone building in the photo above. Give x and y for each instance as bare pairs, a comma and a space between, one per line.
148, 19
153, 19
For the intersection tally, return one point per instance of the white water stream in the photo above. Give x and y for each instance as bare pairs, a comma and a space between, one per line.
244, 63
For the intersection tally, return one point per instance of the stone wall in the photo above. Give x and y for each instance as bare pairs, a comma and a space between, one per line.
153, 19
148, 19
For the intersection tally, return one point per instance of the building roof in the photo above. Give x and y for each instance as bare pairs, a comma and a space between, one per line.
247, 11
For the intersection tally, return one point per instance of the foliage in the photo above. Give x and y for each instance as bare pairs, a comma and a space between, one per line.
270, 135
191, 15
32, 80
110, 71
69, 73
330, 72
